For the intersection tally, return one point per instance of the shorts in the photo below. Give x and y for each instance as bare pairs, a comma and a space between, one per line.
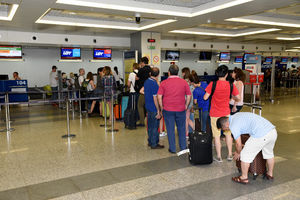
215, 131
254, 145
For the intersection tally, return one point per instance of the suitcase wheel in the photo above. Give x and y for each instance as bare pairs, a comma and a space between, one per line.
255, 176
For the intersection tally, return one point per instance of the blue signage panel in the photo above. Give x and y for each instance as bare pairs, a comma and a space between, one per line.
253, 59
70, 53
102, 54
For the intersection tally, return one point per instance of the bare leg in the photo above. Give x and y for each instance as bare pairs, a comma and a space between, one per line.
270, 163
100, 107
245, 169
218, 146
229, 144
161, 125
92, 106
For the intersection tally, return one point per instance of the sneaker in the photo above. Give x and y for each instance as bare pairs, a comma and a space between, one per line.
229, 158
162, 134
183, 152
219, 160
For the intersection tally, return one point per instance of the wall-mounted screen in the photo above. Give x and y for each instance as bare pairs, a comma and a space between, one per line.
284, 60
238, 59
70, 53
205, 55
14, 52
102, 54
224, 56
247, 54
295, 60
172, 55
268, 60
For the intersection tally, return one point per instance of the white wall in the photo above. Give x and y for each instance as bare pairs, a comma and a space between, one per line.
38, 63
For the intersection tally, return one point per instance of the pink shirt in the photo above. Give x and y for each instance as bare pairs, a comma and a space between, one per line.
174, 89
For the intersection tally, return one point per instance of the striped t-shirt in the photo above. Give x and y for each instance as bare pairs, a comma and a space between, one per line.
249, 123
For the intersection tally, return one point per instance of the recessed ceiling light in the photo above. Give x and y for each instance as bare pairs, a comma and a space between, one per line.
293, 50
265, 22
123, 7
286, 38
225, 34
11, 14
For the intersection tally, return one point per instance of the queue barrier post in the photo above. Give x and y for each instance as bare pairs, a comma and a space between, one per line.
7, 115
112, 113
105, 113
80, 114
68, 135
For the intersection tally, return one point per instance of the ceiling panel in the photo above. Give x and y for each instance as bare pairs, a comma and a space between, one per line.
180, 3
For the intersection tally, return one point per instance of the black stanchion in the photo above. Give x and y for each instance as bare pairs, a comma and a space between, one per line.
68, 135
112, 113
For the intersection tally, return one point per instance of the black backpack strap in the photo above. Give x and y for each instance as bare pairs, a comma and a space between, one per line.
231, 89
212, 92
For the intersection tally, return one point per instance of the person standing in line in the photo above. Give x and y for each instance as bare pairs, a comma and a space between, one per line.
53, 79
133, 95
109, 85
220, 107
142, 76
71, 85
152, 107
239, 80
117, 76
263, 136
90, 88
174, 97
81, 79
98, 92
16, 76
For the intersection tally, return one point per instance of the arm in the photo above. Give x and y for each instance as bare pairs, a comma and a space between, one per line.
142, 90
93, 84
187, 101
128, 84
206, 96
195, 101
159, 98
155, 99
238, 147
239, 86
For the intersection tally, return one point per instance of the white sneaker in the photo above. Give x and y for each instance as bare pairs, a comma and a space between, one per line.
162, 134
219, 160
183, 152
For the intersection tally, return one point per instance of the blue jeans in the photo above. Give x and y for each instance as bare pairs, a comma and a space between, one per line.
192, 118
153, 124
54, 93
170, 119
204, 118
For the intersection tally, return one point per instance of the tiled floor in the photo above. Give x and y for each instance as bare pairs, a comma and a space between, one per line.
36, 163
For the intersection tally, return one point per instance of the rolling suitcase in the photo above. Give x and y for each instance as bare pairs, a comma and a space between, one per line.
130, 116
118, 111
200, 144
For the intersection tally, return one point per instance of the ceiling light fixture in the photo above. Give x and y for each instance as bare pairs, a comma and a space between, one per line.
149, 10
55, 22
286, 38
225, 34
293, 50
264, 22
11, 14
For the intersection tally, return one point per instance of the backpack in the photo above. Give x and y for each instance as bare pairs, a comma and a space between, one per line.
214, 85
84, 85
136, 85
77, 85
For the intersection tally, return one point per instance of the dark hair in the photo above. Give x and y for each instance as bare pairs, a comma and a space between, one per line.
54, 67
186, 72
205, 73
16, 73
221, 121
193, 77
116, 70
173, 69
135, 66
90, 76
222, 71
107, 71
100, 69
239, 75
154, 72
144, 60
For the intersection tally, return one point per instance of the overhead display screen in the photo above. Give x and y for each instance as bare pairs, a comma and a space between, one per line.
238, 59
269, 60
295, 60
10, 52
172, 55
205, 55
102, 54
224, 56
70, 53
284, 60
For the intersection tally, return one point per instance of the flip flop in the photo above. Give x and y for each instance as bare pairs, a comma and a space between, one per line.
239, 180
268, 177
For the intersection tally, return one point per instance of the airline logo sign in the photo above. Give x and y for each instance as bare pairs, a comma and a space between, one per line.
102, 53
70, 53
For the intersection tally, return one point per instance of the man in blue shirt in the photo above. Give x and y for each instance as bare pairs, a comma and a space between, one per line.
152, 107
263, 136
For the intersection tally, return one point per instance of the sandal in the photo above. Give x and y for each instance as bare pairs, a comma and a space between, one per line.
239, 180
268, 177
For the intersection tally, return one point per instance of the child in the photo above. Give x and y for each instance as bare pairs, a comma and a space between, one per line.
198, 94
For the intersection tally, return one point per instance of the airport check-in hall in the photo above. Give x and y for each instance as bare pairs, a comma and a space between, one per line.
151, 100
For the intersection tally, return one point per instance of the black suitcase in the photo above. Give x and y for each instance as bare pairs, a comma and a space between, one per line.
130, 116
200, 144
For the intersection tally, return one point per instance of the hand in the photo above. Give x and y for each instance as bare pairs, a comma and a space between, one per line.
236, 156
234, 109
158, 115
186, 107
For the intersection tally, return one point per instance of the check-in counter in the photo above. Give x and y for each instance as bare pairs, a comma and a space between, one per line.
17, 86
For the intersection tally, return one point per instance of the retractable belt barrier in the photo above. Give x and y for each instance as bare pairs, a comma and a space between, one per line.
66, 99
254, 107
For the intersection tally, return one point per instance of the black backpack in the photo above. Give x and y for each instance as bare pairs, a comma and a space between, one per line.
214, 85
136, 85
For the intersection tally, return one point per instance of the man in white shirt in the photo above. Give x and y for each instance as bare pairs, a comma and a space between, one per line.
53, 80
133, 95
82, 95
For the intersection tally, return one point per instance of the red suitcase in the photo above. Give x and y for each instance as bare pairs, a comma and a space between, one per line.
258, 166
